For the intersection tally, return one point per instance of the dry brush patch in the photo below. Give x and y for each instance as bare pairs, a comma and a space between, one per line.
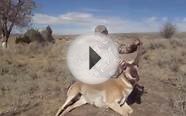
34, 78
32, 74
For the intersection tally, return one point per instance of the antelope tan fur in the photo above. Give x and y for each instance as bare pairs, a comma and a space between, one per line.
110, 94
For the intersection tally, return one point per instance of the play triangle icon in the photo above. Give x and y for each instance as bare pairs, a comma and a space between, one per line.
93, 58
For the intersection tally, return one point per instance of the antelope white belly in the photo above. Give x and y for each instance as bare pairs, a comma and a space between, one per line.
97, 99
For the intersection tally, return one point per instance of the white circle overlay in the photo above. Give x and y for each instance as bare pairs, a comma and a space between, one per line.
78, 58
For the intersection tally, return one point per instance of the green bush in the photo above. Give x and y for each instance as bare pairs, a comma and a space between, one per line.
34, 35
23, 39
47, 35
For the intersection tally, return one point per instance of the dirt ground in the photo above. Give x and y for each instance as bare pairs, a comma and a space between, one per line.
34, 79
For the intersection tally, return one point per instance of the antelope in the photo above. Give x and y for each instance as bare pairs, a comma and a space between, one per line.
110, 94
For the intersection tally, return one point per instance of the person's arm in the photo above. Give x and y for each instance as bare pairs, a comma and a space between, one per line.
121, 67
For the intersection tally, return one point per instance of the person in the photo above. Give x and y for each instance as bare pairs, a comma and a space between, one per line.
101, 29
125, 49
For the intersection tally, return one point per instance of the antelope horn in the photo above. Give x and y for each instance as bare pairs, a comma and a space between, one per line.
136, 60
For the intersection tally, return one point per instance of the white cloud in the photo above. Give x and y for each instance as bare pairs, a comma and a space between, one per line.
153, 18
165, 19
71, 17
44, 19
184, 19
95, 10
85, 22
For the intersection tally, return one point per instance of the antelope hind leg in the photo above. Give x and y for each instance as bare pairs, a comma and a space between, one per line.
68, 100
72, 93
78, 103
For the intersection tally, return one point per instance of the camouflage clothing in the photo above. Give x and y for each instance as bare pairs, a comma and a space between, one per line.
122, 49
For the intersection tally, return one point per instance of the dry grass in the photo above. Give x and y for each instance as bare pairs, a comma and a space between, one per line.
31, 75
34, 79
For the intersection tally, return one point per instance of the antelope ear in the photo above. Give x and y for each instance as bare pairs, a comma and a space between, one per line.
133, 62
123, 65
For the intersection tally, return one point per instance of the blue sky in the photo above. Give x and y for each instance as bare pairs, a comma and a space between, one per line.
81, 16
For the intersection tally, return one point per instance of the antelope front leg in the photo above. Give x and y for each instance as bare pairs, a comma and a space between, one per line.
127, 108
122, 101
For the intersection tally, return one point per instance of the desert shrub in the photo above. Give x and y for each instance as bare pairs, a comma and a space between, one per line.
48, 28
183, 53
47, 35
168, 30
34, 35
153, 46
23, 39
174, 66
175, 43
178, 101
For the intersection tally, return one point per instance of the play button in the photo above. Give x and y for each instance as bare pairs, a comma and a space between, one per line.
93, 59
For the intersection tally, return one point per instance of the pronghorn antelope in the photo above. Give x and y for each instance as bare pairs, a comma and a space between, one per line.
110, 94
